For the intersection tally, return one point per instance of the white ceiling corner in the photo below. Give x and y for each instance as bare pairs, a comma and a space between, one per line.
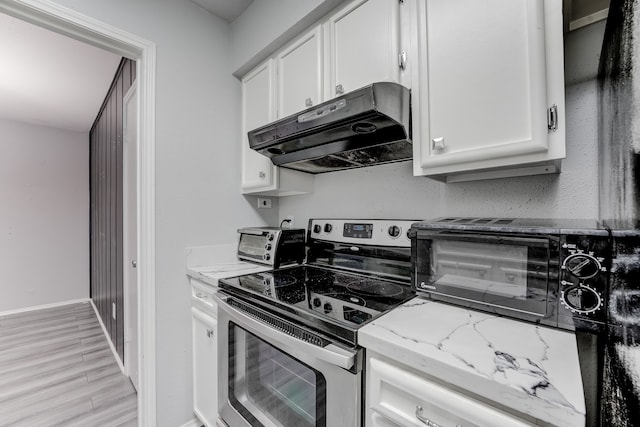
228, 10
49, 79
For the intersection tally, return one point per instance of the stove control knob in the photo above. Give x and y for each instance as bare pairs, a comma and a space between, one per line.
266, 257
317, 228
581, 299
328, 228
316, 302
267, 246
327, 307
394, 231
582, 266
270, 237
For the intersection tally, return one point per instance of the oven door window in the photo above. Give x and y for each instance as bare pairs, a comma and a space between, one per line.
269, 387
511, 273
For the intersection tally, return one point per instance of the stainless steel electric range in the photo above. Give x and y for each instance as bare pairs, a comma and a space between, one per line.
288, 338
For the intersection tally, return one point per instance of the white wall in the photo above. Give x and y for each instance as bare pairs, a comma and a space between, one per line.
198, 199
390, 191
44, 215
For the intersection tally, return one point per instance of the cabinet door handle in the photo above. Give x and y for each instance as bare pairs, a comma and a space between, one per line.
209, 333
437, 144
339, 90
201, 296
424, 419
402, 60
262, 175
308, 102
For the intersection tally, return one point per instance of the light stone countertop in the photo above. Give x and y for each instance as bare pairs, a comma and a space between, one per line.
531, 369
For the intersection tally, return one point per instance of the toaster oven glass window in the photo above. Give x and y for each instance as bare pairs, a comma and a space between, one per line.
500, 270
252, 245
486, 271
266, 382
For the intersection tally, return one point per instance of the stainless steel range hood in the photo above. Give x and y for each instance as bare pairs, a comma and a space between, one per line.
366, 127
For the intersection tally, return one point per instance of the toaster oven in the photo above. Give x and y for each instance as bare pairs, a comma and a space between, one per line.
273, 246
551, 272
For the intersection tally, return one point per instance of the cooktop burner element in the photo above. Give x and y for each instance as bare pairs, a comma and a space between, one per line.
374, 288
355, 272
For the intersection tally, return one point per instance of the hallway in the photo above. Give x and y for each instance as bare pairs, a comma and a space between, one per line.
56, 368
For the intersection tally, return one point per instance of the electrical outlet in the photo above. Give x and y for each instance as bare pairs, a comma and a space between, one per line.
290, 219
113, 310
264, 203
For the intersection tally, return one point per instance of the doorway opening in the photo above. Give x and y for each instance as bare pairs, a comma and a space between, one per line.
83, 28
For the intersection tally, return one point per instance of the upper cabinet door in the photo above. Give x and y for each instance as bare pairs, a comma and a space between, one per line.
300, 74
258, 173
488, 73
363, 45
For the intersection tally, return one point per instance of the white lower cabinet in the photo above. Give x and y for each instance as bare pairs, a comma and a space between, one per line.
399, 397
205, 365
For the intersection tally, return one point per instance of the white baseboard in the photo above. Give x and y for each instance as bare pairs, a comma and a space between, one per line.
43, 306
192, 423
106, 334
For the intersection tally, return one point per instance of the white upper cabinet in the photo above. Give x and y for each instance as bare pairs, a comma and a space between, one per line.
363, 45
258, 173
300, 74
488, 74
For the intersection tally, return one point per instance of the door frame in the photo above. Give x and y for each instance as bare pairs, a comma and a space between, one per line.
70, 23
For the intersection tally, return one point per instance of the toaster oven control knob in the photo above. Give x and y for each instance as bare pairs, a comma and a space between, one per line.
270, 237
582, 265
394, 231
317, 302
266, 257
267, 246
317, 228
327, 307
581, 299
328, 228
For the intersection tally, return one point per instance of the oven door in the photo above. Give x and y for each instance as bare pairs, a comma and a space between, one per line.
271, 378
504, 274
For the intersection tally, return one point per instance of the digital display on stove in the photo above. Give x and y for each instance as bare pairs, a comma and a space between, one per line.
358, 231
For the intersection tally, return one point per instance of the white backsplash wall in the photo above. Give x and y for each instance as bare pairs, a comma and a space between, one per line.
44, 215
391, 191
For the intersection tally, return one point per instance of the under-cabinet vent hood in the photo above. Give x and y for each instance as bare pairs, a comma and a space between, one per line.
366, 127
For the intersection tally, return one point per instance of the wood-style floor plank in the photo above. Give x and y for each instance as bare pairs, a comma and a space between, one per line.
56, 369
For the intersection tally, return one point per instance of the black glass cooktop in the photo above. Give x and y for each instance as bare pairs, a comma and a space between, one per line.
326, 299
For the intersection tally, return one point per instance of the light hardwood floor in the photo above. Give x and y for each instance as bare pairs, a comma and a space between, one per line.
56, 369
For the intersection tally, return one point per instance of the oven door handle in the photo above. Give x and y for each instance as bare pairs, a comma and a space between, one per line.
330, 353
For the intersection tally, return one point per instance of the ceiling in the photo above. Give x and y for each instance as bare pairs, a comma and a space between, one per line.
51, 80
228, 10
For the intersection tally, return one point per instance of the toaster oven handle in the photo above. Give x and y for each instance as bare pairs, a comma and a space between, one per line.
488, 237
331, 353
251, 231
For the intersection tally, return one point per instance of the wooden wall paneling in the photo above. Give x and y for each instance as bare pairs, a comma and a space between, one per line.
106, 208
119, 244
107, 223
107, 240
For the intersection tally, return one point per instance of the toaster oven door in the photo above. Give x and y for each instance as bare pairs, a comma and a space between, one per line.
504, 274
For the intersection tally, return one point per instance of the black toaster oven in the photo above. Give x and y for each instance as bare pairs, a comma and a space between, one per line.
551, 272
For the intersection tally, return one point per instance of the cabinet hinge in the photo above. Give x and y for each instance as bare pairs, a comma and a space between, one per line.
552, 118
402, 60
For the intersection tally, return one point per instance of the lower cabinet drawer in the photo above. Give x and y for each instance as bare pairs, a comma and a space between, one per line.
202, 297
396, 397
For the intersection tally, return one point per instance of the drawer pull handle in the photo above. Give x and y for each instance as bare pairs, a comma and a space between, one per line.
201, 296
209, 333
424, 419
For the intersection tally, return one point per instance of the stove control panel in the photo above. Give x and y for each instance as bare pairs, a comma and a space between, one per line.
362, 231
